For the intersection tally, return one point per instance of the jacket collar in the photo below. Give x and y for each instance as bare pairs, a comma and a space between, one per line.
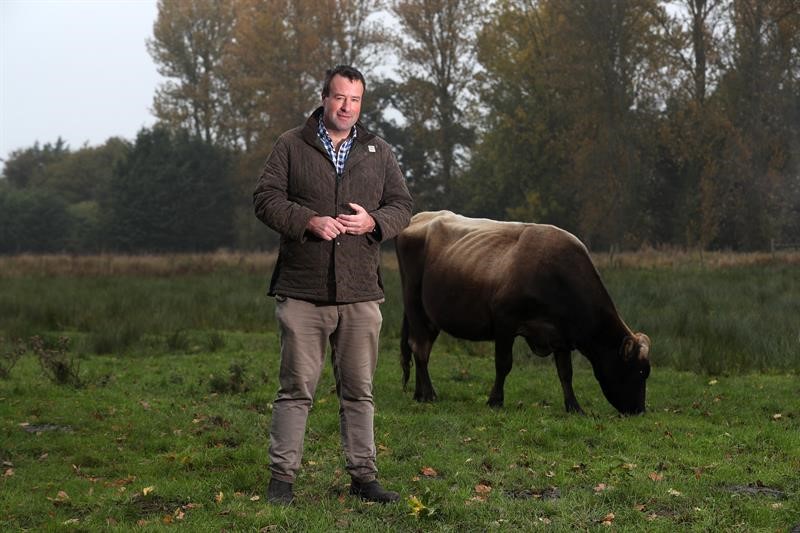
363, 135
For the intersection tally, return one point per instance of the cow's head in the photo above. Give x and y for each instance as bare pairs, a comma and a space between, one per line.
624, 377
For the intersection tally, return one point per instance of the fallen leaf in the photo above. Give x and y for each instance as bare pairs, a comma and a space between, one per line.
179, 514
71, 521
61, 497
655, 476
713, 382
600, 487
167, 519
581, 467
777, 416
148, 490
145, 405
608, 519
416, 505
427, 471
219, 497
629, 466
639, 507
9, 472
255, 498
673, 492
481, 488
550, 473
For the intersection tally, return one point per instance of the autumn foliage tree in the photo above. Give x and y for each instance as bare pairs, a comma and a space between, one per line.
629, 122
435, 46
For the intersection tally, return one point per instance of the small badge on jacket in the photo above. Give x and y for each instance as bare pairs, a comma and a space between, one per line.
371, 148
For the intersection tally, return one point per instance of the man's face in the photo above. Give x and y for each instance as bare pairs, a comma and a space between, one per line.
342, 106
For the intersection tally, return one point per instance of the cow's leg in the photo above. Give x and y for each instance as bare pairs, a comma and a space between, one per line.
564, 367
421, 346
503, 359
416, 338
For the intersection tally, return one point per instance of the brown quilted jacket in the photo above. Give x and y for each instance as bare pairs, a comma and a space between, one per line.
298, 182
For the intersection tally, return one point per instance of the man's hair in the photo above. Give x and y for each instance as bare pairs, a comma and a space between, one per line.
346, 71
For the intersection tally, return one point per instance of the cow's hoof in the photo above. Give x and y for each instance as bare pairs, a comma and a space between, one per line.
423, 398
575, 409
495, 403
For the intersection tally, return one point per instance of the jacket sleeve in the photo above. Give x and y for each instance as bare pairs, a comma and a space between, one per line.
394, 212
271, 196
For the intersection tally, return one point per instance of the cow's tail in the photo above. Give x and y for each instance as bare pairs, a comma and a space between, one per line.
405, 351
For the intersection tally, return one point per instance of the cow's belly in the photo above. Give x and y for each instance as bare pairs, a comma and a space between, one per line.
458, 309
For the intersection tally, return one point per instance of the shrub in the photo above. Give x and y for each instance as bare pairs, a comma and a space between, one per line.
60, 367
9, 357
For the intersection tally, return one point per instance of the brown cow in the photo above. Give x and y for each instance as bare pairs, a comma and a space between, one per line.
480, 279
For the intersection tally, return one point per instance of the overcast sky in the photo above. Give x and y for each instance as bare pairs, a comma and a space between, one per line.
78, 69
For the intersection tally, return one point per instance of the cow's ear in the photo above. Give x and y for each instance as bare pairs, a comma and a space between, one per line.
629, 348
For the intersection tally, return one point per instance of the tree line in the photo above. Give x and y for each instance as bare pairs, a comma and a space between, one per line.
628, 122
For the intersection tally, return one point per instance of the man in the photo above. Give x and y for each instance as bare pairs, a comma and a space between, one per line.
334, 192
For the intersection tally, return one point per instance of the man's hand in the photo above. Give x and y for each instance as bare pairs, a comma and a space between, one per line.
359, 223
326, 228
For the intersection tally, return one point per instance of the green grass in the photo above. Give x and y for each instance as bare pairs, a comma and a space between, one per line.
730, 320
706, 456
178, 372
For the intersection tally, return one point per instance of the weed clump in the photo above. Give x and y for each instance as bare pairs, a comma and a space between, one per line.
233, 383
60, 367
9, 357
178, 341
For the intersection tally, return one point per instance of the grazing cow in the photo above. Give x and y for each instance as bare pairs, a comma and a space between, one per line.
480, 279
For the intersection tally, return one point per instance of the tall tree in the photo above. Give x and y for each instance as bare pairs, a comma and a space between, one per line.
760, 93
697, 143
694, 33
514, 166
572, 85
280, 51
275, 63
435, 45
188, 46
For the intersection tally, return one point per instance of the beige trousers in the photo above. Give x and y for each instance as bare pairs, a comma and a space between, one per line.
306, 328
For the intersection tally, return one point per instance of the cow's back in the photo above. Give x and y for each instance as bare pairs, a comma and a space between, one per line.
469, 274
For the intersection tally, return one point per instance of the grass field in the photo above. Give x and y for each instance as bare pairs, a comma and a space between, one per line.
176, 360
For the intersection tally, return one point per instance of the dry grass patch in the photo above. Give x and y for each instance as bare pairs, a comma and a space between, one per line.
134, 265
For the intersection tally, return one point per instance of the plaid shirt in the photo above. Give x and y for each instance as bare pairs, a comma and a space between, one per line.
344, 150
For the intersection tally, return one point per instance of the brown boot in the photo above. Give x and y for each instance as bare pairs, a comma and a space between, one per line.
371, 491
279, 492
